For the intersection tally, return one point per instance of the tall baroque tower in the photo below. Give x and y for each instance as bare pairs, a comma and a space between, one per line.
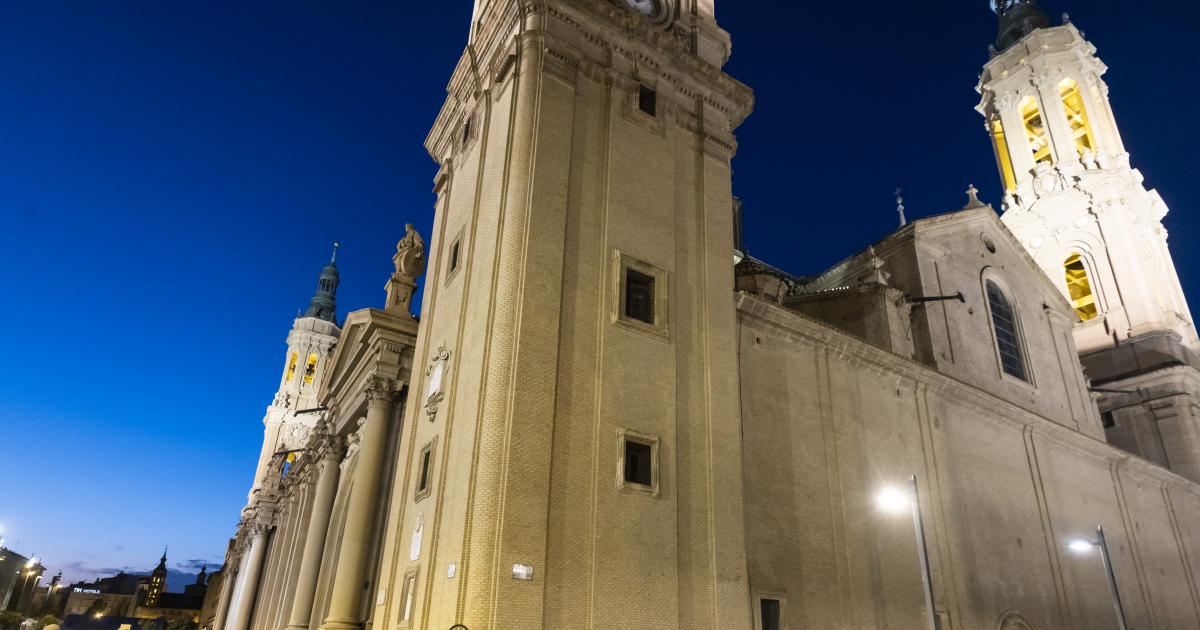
1086, 217
310, 344
573, 453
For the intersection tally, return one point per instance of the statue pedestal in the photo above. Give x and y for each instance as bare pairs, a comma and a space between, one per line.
399, 293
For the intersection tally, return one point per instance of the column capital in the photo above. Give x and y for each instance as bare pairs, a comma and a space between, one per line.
325, 445
381, 391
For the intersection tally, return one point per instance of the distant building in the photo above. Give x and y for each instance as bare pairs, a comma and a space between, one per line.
19, 577
141, 597
212, 597
89, 622
109, 597
157, 584
155, 603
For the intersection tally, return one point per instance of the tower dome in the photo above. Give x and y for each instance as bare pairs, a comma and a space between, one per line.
323, 304
1018, 18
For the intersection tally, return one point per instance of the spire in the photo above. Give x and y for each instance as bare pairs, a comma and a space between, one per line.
900, 207
162, 562
323, 304
1018, 18
200, 577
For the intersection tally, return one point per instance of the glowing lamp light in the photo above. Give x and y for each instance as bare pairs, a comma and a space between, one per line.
1080, 545
893, 500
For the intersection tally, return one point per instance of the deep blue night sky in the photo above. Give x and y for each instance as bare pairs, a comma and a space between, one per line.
172, 175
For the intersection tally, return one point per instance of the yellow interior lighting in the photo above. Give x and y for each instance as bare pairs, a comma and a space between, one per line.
1035, 130
1080, 288
310, 369
291, 369
1077, 119
1003, 157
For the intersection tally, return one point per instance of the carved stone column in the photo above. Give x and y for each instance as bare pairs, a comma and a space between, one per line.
246, 589
345, 606
329, 455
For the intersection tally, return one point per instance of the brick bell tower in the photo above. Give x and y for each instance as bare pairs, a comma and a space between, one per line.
1085, 215
572, 451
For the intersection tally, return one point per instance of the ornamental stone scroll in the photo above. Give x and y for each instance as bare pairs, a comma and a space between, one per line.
435, 378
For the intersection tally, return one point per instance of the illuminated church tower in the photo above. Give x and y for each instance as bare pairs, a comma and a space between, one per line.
1085, 216
157, 583
310, 343
574, 423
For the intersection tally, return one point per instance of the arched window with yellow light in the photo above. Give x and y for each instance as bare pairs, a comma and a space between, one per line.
1077, 118
310, 369
1079, 288
291, 367
1035, 130
1003, 157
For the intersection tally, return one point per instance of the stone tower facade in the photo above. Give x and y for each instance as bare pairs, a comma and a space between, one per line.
1086, 217
573, 436
309, 346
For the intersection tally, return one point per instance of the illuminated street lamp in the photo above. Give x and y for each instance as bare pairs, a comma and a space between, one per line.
1083, 545
894, 500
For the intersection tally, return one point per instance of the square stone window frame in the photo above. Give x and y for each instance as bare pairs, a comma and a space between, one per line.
661, 328
629, 435
631, 90
419, 492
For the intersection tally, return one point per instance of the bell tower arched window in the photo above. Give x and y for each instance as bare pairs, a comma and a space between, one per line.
1077, 118
291, 368
310, 369
1007, 331
1003, 157
1035, 130
1079, 287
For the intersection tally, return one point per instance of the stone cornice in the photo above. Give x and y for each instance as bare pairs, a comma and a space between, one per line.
612, 40
795, 328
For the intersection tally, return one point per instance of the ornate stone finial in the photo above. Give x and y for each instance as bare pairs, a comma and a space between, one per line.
900, 207
1066, 18
410, 254
875, 273
973, 198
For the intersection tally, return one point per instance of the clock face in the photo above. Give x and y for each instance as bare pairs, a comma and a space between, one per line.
659, 11
645, 7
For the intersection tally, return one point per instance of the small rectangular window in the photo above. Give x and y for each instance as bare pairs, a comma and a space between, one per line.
425, 471
769, 613
407, 595
1107, 419
639, 463
466, 132
639, 296
454, 249
648, 100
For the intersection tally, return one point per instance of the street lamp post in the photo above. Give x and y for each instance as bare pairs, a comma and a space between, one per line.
896, 501
1083, 545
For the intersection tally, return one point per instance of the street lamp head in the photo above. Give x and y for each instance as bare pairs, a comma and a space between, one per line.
1081, 545
893, 500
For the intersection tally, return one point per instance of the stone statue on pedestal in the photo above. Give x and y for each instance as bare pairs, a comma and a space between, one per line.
410, 264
